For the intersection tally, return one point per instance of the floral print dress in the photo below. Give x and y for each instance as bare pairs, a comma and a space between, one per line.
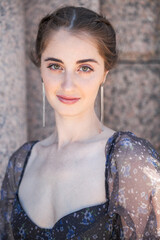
131, 210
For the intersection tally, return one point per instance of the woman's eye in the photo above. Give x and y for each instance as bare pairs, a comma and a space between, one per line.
86, 69
55, 67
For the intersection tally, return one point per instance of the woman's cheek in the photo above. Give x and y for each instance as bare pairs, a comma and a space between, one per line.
52, 80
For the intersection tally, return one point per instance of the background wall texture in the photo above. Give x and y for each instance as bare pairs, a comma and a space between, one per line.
132, 89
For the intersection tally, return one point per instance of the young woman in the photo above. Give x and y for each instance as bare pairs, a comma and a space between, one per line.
85, 181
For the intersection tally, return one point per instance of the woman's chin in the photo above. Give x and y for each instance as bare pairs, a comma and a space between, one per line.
69, 112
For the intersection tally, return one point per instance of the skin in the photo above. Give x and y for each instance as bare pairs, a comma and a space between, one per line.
73, 155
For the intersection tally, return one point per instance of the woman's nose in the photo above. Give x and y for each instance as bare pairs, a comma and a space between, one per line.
68, 82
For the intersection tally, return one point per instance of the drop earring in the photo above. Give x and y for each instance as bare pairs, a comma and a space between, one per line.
102, 103
43, 96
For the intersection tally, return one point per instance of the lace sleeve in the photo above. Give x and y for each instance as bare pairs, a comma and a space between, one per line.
134, 186
9, 188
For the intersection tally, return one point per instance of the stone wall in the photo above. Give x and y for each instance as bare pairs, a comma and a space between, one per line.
132, 92
13, 124
132, 89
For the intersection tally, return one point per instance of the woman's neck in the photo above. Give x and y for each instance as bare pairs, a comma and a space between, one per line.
71, 129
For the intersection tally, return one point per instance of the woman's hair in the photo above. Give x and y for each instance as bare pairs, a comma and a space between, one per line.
78, 20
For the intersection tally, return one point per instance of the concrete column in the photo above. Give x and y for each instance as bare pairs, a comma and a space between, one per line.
13, 126
34, 11
132, 93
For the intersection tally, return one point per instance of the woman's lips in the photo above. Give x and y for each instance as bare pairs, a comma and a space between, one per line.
67, 100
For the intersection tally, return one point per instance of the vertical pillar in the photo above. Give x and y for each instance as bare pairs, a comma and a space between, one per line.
13, 127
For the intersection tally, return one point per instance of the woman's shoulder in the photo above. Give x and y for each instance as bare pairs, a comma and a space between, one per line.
16, 165
126, 142
18, 157
130, 141
128, 147
24, 148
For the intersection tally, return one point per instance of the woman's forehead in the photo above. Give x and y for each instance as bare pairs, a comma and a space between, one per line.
76, 43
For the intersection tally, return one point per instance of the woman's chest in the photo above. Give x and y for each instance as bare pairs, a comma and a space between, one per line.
61, 185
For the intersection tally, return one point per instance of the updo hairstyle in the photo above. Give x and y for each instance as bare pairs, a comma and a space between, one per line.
77, 20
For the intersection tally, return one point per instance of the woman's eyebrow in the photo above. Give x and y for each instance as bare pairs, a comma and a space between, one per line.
87, 60
79, 61
53, 59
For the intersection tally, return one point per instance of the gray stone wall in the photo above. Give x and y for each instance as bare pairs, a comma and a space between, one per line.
132, 92
13, 124
132, 89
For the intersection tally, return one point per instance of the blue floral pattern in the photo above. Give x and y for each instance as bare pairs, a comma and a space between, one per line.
132, 181
66, 228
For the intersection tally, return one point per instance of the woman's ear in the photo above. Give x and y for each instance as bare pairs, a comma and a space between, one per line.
104, 78
106, 74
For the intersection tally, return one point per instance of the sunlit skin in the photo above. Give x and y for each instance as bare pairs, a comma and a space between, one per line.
64, 164
72, 66
66, 171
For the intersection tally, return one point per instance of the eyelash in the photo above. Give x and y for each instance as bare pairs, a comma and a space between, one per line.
54, 64
90, 69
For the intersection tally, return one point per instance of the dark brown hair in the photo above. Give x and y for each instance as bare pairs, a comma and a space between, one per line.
75, 20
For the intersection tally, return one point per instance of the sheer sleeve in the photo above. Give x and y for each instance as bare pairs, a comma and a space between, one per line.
9, 187
134, 186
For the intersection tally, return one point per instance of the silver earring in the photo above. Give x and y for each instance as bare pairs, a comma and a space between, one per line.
43, 94
102, 103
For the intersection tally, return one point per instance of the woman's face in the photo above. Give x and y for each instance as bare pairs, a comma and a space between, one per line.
71, 67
